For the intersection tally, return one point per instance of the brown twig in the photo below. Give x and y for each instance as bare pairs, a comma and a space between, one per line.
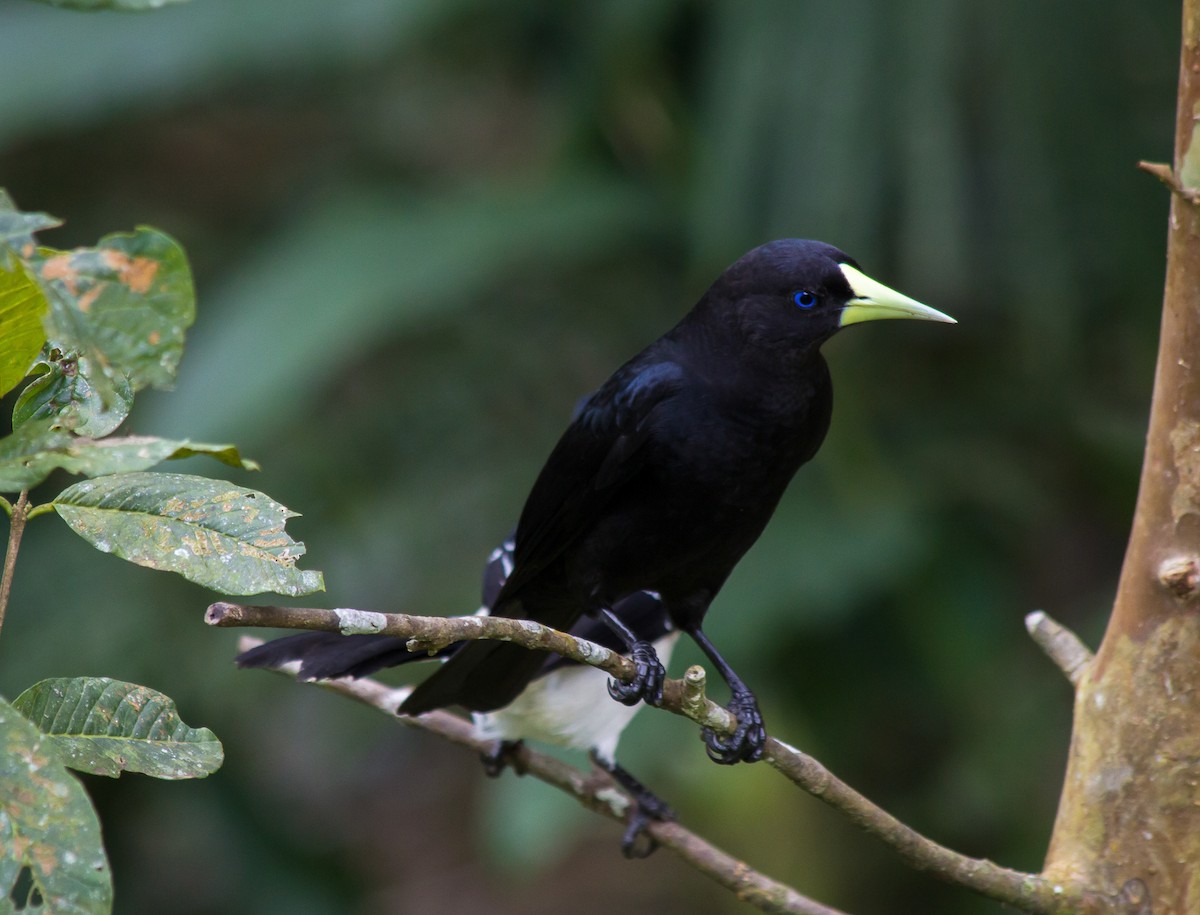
594, 793
1028, 892
1060, 644
1166, 175
19, 515
423, 633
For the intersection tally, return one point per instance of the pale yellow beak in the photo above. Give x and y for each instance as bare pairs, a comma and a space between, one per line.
874, 301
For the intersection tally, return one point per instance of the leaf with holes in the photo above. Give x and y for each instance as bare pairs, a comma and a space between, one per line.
219, 535
130, 453
107, 727
51, 856
63, 391
37, 449
123, 305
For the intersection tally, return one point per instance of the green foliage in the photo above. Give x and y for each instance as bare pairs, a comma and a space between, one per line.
51, 859
17, 228
107, 727
22, 305
117, 317
222, 536
35, 450
62, 390
89, 328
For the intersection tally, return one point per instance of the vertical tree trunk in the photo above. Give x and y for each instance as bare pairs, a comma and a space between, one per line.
1130, 809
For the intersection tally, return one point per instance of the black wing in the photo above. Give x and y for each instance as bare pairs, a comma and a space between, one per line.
602, 449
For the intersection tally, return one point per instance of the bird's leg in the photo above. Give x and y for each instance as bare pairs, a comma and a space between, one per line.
501, 756
745, 744
647, 808
648, 682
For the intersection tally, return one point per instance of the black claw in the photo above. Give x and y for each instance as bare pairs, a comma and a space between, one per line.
637, 842
746, 743
503, 755
647, 807
647, 684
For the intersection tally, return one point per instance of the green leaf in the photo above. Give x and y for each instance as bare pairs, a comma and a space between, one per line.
124, 305
214, 533
64, 391
28, 455
37, 449
22, 305
17, 228
48, 830
130, 453
140, 452
124, 6
107, 727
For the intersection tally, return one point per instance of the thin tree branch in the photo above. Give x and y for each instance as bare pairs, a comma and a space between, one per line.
1028, 892
36, 510
19, 514
1060, 644
422, 633
594, 791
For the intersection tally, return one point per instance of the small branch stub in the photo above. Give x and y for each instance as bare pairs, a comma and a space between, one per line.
694, 699
1166, 175
1134, 899
1060, 644
1181, 576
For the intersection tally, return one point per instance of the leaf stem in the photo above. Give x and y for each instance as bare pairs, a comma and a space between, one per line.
6, 505
19, 514
39, 510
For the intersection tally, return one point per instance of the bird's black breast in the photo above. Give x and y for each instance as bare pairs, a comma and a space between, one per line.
716, 460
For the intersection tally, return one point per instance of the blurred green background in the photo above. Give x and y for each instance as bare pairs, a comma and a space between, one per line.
420, 230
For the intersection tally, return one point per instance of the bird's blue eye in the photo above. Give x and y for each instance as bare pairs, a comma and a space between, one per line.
805, 299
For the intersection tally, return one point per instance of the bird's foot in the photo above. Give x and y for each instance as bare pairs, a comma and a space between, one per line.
746, 743
647, 683
503, 755
637, 842
648, 808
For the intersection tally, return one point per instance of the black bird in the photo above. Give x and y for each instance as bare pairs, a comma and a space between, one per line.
563, 705
671, 470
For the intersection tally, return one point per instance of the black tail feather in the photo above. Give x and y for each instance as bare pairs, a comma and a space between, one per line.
326, 655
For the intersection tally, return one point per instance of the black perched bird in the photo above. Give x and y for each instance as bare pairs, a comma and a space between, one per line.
670, 471
563, 705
